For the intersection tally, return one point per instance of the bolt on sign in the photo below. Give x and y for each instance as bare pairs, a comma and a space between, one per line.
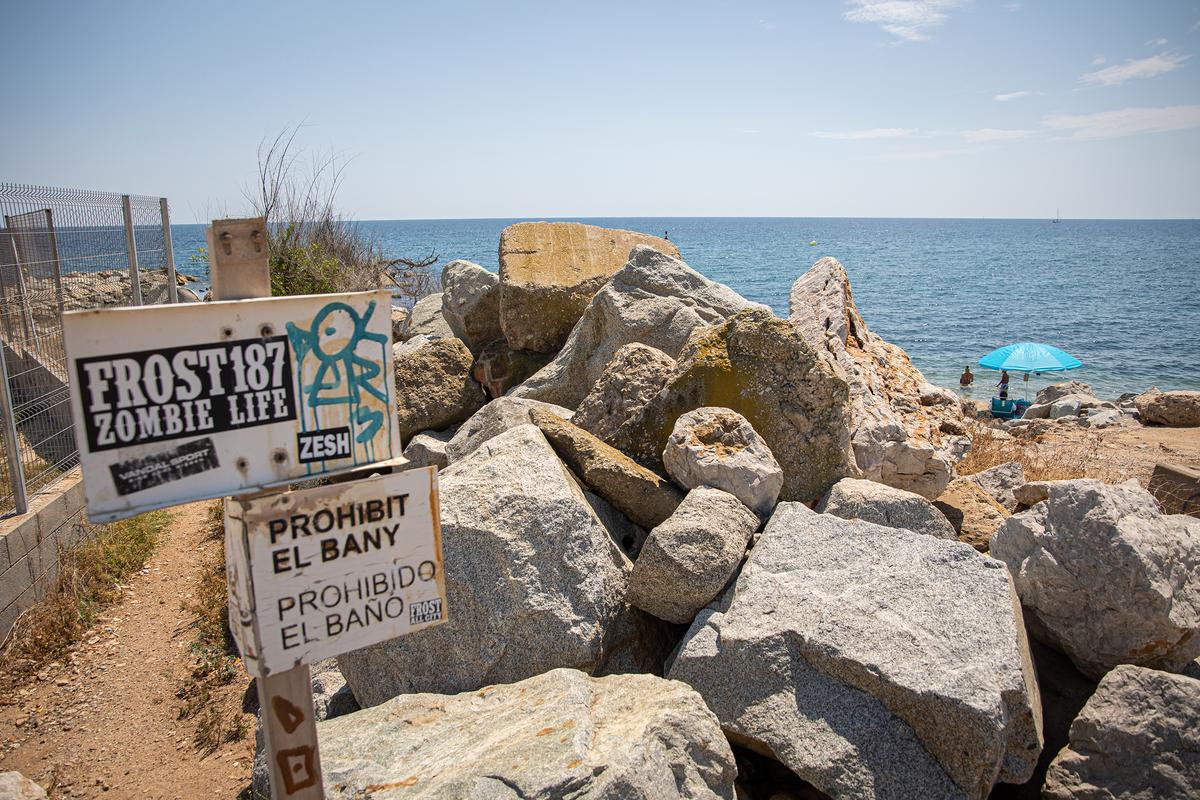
187, 402
313, 573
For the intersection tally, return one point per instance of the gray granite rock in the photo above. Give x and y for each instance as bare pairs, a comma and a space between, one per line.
1138, 738
1106, 577
870, 501
636, 373
898, 439
426, 319
496, 417
471, 303
1057, 391
654, 299
15, 786
871, 661
718, 447
532, 578
428, 449
1001, 481
557, 735
687, 560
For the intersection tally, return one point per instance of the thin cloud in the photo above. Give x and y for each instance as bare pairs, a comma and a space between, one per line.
1150, 67
909, 20
1097, 60
925, 155
871, 133
1125, 122
1156, 43
1006, 96
996, 135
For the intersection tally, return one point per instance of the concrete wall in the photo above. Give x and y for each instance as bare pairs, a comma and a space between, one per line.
29, 546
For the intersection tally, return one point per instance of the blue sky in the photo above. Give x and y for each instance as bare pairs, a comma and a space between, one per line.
456, 109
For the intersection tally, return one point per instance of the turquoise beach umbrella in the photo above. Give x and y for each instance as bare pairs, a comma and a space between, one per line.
1029, 357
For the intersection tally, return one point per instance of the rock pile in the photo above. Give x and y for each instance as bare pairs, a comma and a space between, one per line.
1173, 409
642, 602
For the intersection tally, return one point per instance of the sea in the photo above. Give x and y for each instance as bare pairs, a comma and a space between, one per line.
1122, 296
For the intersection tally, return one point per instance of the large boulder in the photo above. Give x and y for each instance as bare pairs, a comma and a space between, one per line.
471, 303
1173, 409
654, 299
426, 319
975, 514
434, 387
872, 661
533, 579
717, 447
493, 419
557, 735
687, 560
1056, 391
792, 394
898, 440
1137, 737
855, 498
1107, 578
15, 786
636, 373
1001, 482
635, 491
549, 272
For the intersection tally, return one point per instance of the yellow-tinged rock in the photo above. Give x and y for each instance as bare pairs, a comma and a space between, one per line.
550, 270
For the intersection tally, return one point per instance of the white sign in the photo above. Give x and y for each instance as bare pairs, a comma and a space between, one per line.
186, 402
318, 572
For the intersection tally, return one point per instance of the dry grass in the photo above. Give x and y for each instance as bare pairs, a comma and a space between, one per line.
91, 577
213, 651
1041, 460
314, 248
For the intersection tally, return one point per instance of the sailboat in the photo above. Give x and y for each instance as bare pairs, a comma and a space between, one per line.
1057, 216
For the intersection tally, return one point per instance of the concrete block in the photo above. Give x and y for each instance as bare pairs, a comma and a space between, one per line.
15, 580
22, 536
1176, 488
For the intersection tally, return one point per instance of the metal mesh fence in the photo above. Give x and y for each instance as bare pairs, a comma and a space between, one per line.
61, 250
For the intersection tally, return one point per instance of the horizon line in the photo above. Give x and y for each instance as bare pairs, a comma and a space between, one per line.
535, 218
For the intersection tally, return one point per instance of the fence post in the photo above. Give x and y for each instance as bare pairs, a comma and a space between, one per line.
52, 240
12, 443
135, 281
168, 252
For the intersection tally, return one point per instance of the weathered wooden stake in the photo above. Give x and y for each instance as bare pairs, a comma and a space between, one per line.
239, 269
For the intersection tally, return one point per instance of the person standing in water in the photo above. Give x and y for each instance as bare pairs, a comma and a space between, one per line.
966, 379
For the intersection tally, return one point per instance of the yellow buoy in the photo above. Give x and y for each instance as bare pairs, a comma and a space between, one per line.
813, 243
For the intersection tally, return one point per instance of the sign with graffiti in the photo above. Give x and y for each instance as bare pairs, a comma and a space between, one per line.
185, 402
318, 572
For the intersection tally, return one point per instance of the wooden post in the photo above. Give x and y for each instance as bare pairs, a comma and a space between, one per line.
240, 270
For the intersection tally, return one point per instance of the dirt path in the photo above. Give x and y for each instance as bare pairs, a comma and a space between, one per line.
105, 724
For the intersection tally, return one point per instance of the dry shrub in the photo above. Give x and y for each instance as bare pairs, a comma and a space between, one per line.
314, 248
1041, 460
90, 578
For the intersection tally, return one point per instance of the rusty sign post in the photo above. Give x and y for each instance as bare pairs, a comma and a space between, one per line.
247, 393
